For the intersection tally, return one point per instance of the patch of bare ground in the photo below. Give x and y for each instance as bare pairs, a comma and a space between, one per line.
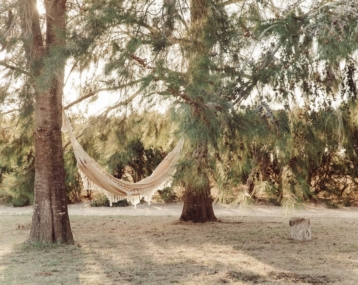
241, 249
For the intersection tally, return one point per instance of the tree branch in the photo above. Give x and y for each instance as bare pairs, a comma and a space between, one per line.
3, 63
268, 58
10, 111
69, 142
229, 2
125, 102
92, 93
140, 61
183, 96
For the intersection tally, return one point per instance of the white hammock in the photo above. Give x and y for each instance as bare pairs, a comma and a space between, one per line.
94, 177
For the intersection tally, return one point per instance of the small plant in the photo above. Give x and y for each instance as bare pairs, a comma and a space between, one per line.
121, 203
274, 201
100, 201
4, 197
347, 202
167, 195
331, 204
20, 200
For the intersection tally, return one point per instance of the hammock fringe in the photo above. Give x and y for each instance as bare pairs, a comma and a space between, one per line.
94, 177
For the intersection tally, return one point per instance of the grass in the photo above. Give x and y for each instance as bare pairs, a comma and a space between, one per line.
161, 250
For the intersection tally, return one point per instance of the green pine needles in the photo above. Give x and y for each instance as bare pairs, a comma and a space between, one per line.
265, 96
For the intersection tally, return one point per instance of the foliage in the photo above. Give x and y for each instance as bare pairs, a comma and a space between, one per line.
206, 83
121, 203
141, 161
73, 179
100, 201
264, 94
167, 194
117, 143
17, 161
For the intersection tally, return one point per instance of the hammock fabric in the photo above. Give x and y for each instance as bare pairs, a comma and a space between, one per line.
94, 177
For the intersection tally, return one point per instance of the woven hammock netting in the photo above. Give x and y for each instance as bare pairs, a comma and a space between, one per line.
94, 177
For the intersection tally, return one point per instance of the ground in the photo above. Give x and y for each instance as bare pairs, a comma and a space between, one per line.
148, 245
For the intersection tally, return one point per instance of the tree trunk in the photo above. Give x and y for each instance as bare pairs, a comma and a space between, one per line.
198, 206
50, 221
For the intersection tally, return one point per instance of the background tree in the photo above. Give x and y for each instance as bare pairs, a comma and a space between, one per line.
310, 54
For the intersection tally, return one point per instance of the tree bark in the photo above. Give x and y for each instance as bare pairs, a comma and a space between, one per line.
198, 203
198, 206
50, 220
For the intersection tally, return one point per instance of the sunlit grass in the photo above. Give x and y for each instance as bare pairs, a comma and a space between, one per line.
161, 250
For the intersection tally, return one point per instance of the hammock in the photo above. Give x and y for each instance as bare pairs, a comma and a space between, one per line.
94, 177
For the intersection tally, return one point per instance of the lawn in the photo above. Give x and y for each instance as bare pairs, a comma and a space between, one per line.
240, 249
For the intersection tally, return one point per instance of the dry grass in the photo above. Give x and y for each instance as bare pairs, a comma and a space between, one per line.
160, 250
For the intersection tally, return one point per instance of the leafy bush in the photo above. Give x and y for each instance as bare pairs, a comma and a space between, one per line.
19, 188
4, 197
100, 201
331, 204
20, 200
347, 202
142, 161
167, 195
121, 203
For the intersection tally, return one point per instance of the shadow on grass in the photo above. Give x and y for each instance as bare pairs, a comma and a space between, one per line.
25, 263
161, 250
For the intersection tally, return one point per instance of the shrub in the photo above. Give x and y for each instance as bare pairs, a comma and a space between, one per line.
20, 200
167, 195
100, 201
4, 197
121, 203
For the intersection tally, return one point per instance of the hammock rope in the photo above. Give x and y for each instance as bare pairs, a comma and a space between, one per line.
94, 177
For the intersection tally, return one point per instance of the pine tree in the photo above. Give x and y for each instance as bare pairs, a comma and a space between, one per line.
192, 82
306, 46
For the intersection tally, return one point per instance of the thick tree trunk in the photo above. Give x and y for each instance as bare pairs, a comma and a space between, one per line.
50, 221
198, 206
